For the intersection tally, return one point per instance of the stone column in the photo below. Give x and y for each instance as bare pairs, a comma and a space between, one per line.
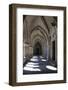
30, 51
26, 51
49, 48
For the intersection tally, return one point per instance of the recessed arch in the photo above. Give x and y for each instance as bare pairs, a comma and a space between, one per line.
40, 39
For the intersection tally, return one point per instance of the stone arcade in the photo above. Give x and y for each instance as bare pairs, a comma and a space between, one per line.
39, 42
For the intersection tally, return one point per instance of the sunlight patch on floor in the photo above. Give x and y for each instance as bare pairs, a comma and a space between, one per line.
31, 69
32, 63
38, 63
43, 60
34, 59
51, 67
29, 65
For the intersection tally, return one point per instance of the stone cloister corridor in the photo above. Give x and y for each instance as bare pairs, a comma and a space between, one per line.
39, 44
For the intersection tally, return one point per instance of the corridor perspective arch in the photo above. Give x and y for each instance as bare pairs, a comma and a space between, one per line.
37, 49
38, 35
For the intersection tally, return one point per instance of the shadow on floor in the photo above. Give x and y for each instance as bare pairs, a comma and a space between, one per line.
38, 65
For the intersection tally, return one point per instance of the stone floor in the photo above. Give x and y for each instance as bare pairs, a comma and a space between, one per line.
38, 65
